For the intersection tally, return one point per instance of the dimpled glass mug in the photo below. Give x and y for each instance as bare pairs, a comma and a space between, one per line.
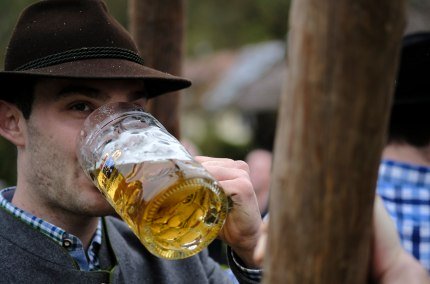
170, 201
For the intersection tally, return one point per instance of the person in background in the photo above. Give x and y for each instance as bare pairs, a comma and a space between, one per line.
404, 173
260, 165
390, 262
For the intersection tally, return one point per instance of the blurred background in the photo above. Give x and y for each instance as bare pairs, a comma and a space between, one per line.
235, 54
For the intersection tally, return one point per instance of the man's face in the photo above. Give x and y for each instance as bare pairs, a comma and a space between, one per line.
53, 178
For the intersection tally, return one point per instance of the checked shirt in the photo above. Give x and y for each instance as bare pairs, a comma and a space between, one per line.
405, 190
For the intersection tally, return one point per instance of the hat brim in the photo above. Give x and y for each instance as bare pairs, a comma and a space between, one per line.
156, 82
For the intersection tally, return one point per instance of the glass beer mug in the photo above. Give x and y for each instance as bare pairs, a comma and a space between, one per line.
170, 201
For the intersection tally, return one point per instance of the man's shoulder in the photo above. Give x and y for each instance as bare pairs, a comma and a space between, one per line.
9, 225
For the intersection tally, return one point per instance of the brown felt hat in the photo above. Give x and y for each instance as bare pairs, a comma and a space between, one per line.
78, 39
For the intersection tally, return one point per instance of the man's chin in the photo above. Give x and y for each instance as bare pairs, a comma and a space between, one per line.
100, 205
101, 211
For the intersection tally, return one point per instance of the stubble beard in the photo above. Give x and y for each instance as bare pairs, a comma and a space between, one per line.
56, 181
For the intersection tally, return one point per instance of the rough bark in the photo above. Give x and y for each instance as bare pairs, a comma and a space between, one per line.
342, 62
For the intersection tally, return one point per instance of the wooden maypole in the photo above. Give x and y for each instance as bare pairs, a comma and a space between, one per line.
158, 28
342, 60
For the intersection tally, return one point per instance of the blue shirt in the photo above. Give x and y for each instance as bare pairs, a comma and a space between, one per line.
405, 190
87, 260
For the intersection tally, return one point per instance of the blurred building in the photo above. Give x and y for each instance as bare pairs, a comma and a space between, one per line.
239, 90
235, 93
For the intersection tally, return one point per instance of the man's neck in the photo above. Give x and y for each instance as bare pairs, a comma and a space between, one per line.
83, 227
403, 152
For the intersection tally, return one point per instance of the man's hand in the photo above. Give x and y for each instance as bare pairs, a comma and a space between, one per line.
241, 229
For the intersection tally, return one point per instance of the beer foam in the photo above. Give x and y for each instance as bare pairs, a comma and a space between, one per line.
148, 144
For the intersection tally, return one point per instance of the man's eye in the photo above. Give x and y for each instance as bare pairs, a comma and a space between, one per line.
81, 107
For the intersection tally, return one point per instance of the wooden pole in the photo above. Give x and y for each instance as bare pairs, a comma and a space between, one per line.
158, 28
342, 61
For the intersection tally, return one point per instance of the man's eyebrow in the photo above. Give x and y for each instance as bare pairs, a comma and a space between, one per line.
82, 90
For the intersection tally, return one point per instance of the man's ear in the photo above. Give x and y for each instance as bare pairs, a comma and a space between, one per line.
12, 123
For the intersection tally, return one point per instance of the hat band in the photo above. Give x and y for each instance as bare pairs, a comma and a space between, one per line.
82, 53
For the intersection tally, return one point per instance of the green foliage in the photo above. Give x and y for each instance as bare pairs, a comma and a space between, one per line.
231, 23
210, 24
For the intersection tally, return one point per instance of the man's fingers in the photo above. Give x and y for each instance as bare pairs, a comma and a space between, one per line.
222, 162
223, 173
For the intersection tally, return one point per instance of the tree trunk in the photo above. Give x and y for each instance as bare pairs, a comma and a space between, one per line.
342, 61
158, 28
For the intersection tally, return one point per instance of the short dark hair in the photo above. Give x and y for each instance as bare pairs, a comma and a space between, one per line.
21, 94
410, 124
410, 120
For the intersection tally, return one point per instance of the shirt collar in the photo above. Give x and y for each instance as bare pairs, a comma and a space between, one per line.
58, 235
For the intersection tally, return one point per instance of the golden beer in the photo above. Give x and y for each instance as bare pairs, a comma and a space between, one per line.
173, 205
174, 216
